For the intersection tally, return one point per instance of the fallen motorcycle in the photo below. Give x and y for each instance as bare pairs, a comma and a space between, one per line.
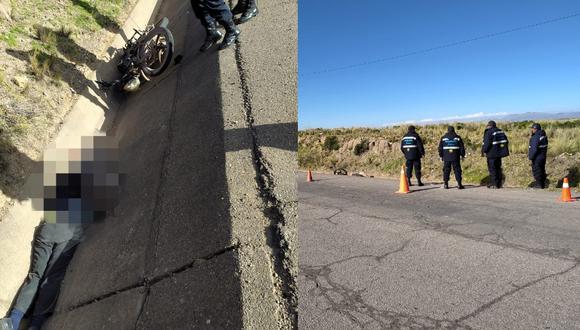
146, 54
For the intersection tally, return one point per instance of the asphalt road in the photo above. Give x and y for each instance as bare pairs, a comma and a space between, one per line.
473, 259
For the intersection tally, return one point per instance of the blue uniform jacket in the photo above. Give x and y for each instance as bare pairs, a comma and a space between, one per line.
538, 148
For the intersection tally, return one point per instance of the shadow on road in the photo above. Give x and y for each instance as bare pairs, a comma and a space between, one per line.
14, 168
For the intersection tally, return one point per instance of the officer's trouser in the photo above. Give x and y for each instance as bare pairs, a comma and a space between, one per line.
416, 164
47, 269
539, 170
495, 171
210, 11
447, 165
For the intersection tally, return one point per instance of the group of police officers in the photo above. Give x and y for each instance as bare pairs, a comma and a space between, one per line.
495, 147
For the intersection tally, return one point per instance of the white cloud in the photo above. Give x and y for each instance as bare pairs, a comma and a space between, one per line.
472, 116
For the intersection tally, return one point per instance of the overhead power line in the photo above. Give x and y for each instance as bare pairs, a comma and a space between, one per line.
448, 45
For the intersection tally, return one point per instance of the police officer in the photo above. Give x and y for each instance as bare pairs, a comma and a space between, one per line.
210, 13
451, 151
537, 152
247, 8
495, 147
412, 147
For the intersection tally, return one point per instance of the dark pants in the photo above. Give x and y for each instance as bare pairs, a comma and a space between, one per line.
495, 171
211, 11
48, 266
539, 170
456, 170
416, 164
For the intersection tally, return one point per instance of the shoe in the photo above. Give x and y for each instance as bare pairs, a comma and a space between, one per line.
409, 182
240, 7
247, 15
460, 186
6, 324
446, 185
232, 33
420, 184
213, 36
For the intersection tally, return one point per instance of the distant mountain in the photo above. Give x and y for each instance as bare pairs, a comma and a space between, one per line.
481, 117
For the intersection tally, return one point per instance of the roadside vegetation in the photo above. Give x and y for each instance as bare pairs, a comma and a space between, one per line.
375, 151
49, 49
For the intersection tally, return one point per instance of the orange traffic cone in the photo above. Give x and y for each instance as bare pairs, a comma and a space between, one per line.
309, 176
566, 193
403, 185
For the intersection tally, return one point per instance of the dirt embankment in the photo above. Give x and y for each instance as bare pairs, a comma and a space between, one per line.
49, 51
376, 151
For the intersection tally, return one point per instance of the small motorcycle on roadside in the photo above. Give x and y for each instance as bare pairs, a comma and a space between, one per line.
146, 54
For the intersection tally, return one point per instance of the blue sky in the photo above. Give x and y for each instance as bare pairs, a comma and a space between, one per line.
537, 69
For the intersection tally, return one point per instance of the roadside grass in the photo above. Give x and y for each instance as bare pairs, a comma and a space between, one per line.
383, 157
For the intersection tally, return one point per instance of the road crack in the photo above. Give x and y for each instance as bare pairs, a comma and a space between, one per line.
272, 206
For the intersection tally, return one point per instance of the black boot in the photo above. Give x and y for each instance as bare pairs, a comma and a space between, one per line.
446, 185
251, 11
213, 36
240, 7
459, 185
419, 183
232, 33
409, 182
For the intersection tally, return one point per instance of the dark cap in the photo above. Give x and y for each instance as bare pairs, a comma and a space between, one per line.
411, 128
537, 126
450, 129
491, 123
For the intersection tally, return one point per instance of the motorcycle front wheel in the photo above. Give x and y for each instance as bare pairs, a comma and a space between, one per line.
156, 51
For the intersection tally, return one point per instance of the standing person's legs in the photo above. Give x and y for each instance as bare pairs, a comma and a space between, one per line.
41, 252
219, 10
50, 286
209, 23
499, 173
539, 171
492, 171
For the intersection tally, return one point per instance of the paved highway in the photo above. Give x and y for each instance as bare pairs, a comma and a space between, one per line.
471, 259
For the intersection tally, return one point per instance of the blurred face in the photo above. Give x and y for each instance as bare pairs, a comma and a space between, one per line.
534, 130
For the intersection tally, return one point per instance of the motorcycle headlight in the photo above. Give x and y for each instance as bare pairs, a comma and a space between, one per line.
132, 85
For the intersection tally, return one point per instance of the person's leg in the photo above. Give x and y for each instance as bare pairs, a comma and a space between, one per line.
41, 252
536, 173
544, 176
409, 170
491, 170
213, 35
446, 173
50, 285
219, 10
251, 10
458, 173
498, 173
240, 7
418, 172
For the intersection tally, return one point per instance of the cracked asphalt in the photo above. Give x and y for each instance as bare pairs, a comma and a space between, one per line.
471, 259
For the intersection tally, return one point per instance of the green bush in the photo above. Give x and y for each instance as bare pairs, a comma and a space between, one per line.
361, 147
331, 143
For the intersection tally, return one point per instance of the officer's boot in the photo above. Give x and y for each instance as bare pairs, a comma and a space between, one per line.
212, 36
240, 7
459, 185
446, 185
232, 33
251, 11
409, 181
419, 183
